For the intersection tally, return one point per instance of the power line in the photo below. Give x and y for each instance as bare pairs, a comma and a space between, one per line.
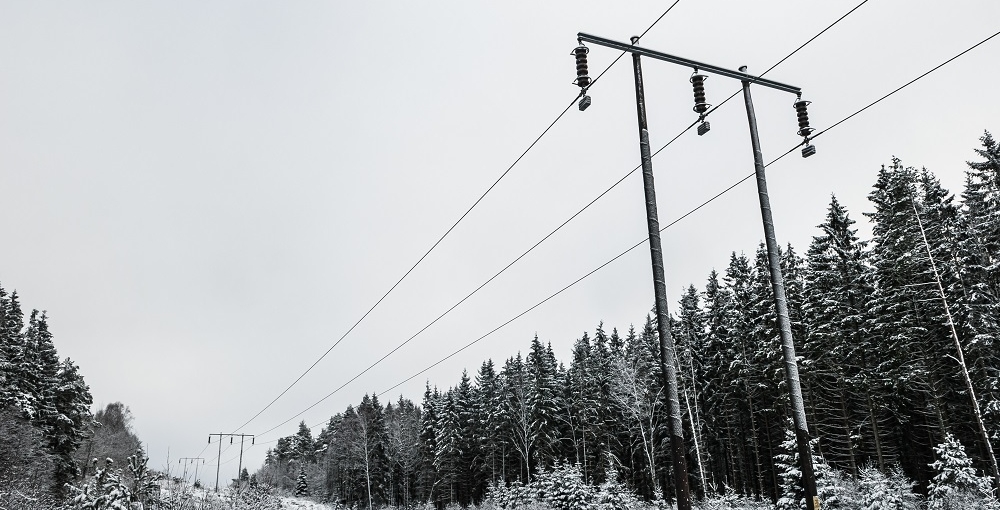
679, 219
443, 236
438, 242
907, 84
567, 221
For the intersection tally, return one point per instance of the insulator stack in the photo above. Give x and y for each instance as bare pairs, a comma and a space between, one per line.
698, 81
582, 77
804, 130
700, 106
803, 116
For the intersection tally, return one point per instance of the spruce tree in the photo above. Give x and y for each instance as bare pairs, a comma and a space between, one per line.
447, 457
427, 478
71, 401
17, 390
716, 386
519, 419
956, 484
486, 424
302, 483
582, 401
838, 352
544, 402
904, 321
302, 446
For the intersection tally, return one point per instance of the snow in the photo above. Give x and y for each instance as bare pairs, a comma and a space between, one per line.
302, 504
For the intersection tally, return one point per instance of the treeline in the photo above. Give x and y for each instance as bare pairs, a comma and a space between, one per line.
48, 436
44, 405
882, 381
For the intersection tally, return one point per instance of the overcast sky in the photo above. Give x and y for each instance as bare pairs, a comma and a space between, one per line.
205, 196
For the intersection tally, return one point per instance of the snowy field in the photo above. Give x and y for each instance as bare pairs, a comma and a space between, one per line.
302, 504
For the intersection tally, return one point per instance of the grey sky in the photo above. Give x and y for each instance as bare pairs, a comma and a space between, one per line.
206, 195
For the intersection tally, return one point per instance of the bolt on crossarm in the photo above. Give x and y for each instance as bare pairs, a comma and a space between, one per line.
777, 280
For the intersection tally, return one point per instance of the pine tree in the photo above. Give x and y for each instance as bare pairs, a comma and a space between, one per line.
881, 491
41, 366
838, 369
955, 484
486, 424
716, 386
544, 402
302, 446
470, 486
372, 418
518, 422
690, 336
301, 483
16, 390
905, 321
833, 490
764, 353
981, 247
581, 406
447, 457
71, 402
404, 427
427, 478
744, 383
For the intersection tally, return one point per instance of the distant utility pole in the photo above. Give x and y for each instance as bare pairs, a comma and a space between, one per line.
218, 463
667, 352
186, 461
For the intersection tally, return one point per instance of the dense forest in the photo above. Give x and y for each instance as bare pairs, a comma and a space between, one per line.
894, 406
48, 435
884, 388
44, 405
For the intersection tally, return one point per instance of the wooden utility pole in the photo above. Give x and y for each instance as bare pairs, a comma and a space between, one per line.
218, 463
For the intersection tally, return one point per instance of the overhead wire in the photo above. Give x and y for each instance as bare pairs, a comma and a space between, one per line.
573, 216
667, 11
216, 462
685, 215
450, 229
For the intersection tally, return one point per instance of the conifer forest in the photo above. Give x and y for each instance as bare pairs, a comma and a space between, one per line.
899, 415
885, 390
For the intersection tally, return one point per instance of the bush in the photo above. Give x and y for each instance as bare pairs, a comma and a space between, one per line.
118, 489
892, 491
562, 488
731, 501
955, 484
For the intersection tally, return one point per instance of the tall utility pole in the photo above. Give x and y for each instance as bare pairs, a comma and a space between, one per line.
186, 461
218, 463
659, 289
781, 306
667, 353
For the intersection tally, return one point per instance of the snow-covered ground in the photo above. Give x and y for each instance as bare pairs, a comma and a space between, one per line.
302, 504
168, 489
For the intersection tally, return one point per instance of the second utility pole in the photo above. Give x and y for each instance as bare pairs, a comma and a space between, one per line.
218, 463
669, 373
781, 307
